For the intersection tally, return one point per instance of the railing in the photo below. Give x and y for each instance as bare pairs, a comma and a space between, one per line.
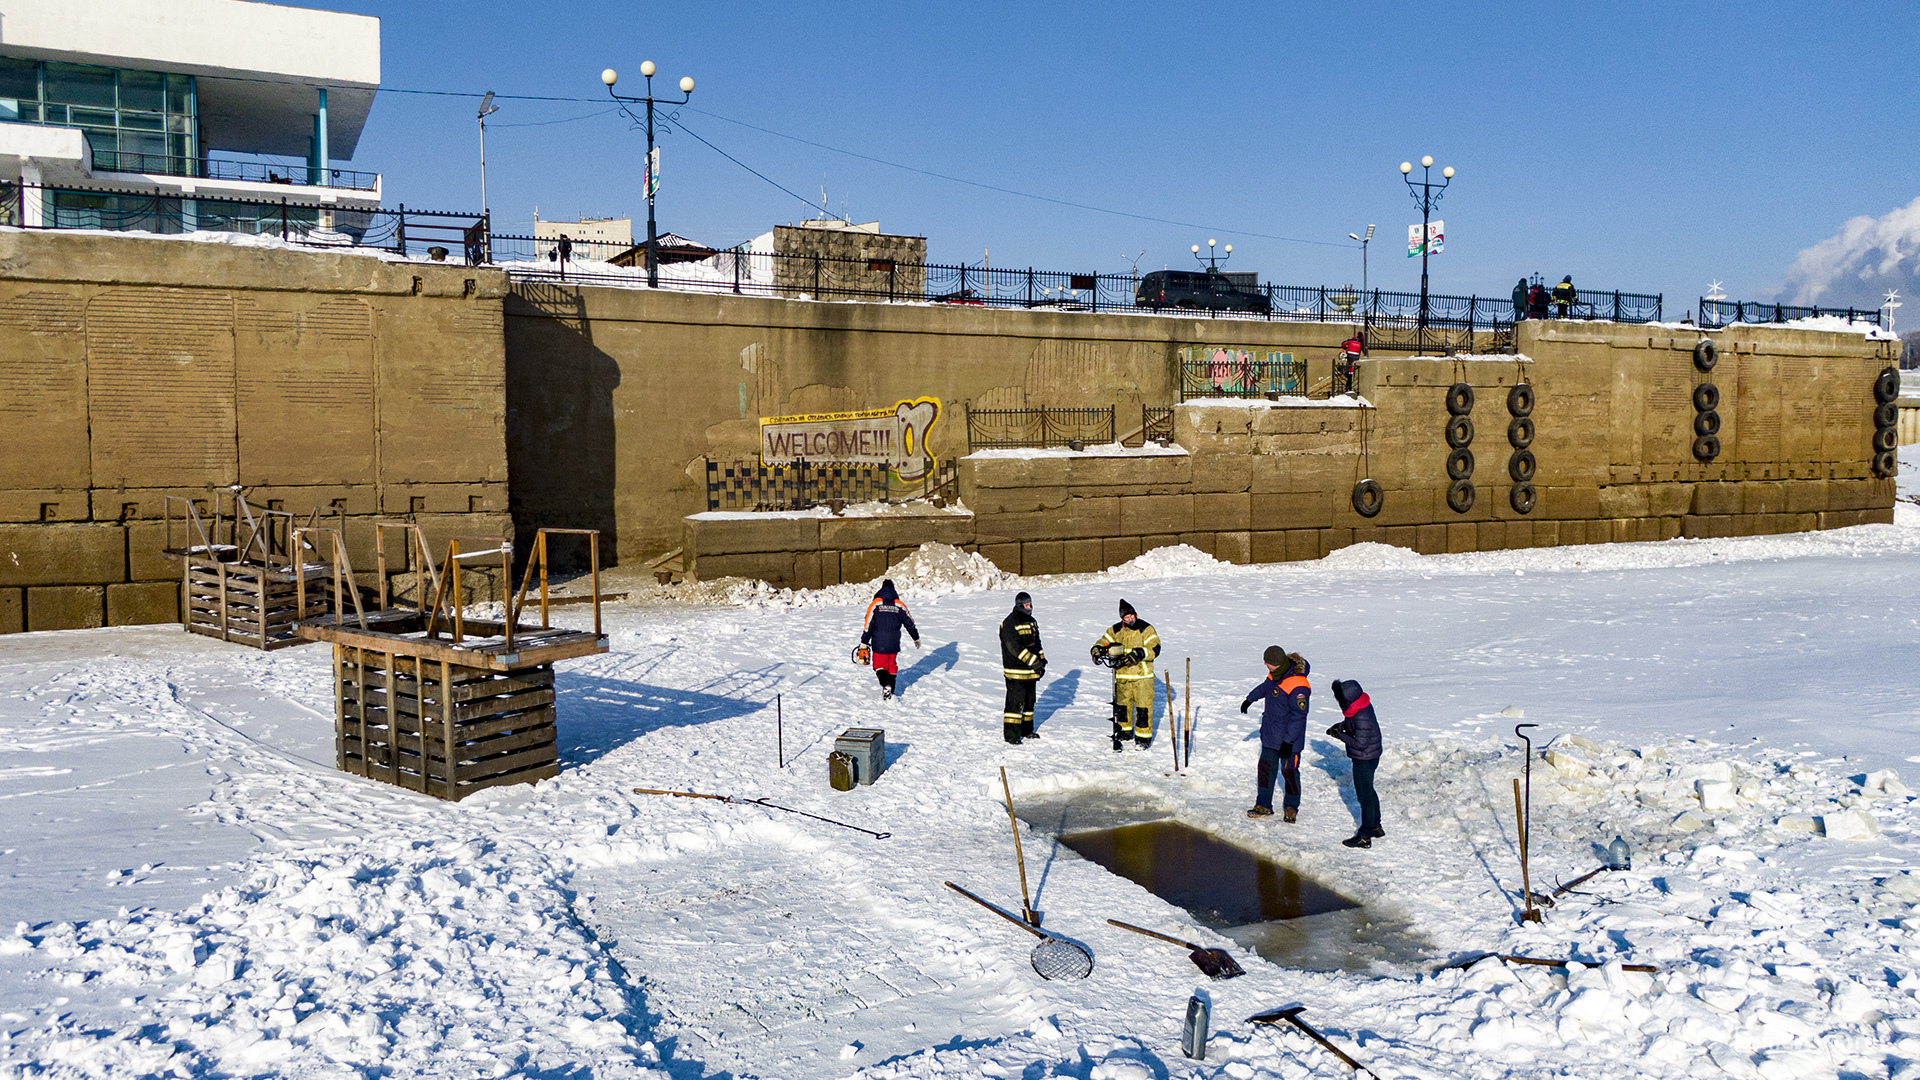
1728, 312
1038, 428
1156, 423
752, 486
262, 172
1240, 373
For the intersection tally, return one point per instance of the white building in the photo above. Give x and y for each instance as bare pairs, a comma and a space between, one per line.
176, 115
598, 239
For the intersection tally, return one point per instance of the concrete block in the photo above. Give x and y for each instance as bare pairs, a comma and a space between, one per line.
1222, 472
1842, 494
1267, 546
13, 610
752, 533
1763, 497
1430, 539
1493, 535
1306, 544
1546, 534
146, 541
1402, 506
1462, 536
1004, 556
1626, 500
1807, 496
1290, 510
864, 564
853, 534
1024, 500
1805, 522
1715, 499
1201, 541
830, 568
66, 607
1406, 536
774, 567
1841, 519
1333, 539
1877, 515
806, 571
1115, 550
1304, 472
1083, 556
1570, 503
1153, 515
62, 554
1222, 511
47, 504
1234, 546
1043, 557
139, 603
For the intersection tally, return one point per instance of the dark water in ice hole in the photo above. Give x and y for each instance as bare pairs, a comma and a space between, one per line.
1281, 915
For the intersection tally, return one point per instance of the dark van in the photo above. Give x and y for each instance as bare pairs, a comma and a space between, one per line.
1205, 290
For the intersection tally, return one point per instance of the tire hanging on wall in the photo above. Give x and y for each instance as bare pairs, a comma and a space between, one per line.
1886, 414
1368, 498
1460, 496
1706, 447
1459, 431
1705, 354
1460, 464
1886, 463
1885, 440
1460, 399
1707, 423
1522, 498
1521, 466
1886, 386
1706, 397
1520, 400
1520, 432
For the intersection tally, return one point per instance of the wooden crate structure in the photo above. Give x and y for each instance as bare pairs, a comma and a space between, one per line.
436, 702
247, 590
442, 728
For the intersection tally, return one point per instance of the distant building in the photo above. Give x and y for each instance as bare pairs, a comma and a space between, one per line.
598, 239
177, 115
673, 248
830, 257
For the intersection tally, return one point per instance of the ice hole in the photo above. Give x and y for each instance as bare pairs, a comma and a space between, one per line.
1275, 911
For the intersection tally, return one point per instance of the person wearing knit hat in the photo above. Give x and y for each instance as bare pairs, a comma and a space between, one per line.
1129, 647
1283, 728
1360, 730
1022, 661
886, 617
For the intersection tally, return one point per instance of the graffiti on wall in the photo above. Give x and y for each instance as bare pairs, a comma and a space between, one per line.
895, 437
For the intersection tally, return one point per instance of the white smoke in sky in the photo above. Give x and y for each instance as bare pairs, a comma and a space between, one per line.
1858, 264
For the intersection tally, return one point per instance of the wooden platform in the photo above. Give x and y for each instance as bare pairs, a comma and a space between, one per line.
440, 728
482, 644
246, 602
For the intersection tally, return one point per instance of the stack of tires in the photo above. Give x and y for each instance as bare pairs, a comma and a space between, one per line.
1706, 404
1521, 466
1460, 441
1886, 423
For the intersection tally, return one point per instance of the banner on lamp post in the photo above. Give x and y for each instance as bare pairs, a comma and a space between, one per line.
650, 181
1432, 244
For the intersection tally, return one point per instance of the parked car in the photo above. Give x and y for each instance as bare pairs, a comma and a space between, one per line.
1205, 290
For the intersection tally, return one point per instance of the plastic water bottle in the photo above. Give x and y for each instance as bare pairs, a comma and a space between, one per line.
1619, 855
1193, 1037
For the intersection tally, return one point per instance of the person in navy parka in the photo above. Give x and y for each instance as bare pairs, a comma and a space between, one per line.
1360, 730
1283, 728
886, 617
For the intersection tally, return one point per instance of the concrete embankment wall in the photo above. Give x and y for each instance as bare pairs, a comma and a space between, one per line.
1613, 418
136, 369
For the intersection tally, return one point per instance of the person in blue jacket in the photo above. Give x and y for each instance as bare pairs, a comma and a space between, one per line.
1283, 728
886, 617
1360, 730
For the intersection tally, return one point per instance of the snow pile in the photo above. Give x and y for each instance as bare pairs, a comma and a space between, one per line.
1370, 557
1178, 560
934, 569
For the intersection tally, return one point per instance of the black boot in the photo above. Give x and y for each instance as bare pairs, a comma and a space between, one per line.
886, 684
1026, 727
1142, 721
1011, 730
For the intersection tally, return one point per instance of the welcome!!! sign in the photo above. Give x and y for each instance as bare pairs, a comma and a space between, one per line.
894, 437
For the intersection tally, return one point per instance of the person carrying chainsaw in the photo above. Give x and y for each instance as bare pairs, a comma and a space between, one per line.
1129, 647
1022, 661
886, 617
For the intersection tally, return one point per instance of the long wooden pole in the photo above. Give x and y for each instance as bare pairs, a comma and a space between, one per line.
1172, 729
1526, 882
1187, 707
1026, 903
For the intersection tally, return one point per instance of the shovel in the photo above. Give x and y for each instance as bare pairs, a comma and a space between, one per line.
1053, 957
1473, 958
1214, 963
1291, 1015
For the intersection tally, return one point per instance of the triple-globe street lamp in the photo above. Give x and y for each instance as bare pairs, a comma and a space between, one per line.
1427, 194
609, 76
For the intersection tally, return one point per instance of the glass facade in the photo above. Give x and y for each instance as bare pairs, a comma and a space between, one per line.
136, 121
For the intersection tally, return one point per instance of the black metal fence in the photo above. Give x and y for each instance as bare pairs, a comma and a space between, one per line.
752, 486
263, 172
1728, 312
1038, 428
1156, 423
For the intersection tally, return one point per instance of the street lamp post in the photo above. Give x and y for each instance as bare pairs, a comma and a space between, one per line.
1364, 241
1213, 262
1428, 195
652, 178
487, 108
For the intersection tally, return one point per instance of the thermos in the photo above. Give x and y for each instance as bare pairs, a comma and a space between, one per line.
1193, 1037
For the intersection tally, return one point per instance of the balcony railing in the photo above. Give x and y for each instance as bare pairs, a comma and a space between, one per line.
1727, 312
259, 172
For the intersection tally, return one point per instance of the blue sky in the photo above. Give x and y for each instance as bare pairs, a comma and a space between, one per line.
1649, 147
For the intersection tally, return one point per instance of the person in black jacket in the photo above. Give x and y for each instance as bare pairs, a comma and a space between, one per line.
1022, 661
1564, 296
1360, 730
1520, 300
886, 617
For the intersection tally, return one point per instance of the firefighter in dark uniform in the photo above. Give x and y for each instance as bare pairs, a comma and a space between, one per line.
1022, 661
1564, 296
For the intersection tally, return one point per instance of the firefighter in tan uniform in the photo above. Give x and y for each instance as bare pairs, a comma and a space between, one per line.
1129, 647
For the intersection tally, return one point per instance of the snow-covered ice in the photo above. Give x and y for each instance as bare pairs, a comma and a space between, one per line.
191, 889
